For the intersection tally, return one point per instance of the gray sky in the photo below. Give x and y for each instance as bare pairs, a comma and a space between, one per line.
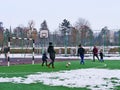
99, 13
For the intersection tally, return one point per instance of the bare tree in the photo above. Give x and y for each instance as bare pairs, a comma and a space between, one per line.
34, 34
80, 23
106, 36
74, 36
84, 30
32, 31
31, 25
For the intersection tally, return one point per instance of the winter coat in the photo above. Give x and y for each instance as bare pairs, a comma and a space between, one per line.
51, 52
95, 51
44, 57
5, 49
81, 51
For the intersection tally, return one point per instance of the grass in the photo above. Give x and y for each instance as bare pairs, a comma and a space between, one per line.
23, 70
38, 86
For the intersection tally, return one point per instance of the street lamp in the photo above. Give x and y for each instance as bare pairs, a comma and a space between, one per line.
66, 42
66, 32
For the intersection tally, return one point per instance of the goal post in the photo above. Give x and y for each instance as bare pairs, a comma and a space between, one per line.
9, 45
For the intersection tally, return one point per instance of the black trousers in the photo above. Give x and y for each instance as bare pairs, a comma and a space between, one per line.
95, 55
44, 61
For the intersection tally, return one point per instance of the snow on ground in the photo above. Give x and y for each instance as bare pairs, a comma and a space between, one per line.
95, 79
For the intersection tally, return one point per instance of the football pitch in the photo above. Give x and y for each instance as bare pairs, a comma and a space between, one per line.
12, 77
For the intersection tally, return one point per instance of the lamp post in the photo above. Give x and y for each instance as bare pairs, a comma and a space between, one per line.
66, 40
65, 28
103, 43
66, 32
104, 40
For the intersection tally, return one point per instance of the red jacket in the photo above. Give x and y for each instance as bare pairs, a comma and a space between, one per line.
95, 51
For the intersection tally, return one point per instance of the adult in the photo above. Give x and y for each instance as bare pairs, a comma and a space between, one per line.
51, 52
5, 52
95, 53
81, 52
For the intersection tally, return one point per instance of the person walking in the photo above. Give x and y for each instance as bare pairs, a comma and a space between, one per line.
51, 52
5, 52
101, 56
95, 53
44, 59
81, 52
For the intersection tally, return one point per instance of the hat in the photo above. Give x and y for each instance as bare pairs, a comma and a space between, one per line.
79, 45
50, 43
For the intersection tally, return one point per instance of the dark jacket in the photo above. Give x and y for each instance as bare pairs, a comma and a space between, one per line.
5, 49
51, 52
101, 55
44, 57
81, 51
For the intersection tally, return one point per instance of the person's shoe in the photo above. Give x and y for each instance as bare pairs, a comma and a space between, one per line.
48, 66
53, 67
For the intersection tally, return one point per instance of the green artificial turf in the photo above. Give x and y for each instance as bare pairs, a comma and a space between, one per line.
23, 70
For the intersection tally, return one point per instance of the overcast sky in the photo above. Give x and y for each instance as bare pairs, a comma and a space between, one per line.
99, 13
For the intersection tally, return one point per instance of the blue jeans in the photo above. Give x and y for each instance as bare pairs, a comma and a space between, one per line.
82, 59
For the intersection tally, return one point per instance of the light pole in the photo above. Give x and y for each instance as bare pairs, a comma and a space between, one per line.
65, 28
66, 40
103, 43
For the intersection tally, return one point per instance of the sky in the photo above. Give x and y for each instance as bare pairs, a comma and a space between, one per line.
99, 13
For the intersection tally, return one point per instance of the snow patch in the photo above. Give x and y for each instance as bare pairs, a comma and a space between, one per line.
95, 79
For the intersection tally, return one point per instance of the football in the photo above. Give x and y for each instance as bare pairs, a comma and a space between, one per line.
68, 64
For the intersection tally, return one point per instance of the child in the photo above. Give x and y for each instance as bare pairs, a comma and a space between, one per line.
44, 59
101, 56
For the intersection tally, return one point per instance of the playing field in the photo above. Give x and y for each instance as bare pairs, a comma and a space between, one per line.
74, 77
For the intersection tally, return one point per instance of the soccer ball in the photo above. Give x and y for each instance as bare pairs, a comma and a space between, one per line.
68, 64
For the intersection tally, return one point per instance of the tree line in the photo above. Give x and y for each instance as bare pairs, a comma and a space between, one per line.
66, 34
